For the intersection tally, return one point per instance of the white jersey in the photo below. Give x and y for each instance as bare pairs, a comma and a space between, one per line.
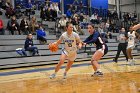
131, 38
70, 41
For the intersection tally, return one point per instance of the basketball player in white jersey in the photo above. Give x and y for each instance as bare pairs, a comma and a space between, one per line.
71, 39
131, 44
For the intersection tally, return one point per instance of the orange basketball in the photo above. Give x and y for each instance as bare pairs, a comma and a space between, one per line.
53, 47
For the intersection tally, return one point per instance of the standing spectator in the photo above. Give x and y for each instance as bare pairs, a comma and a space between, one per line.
1, 27
33, 25
24, 26
29, 45
13, 25
41, 35
122, 38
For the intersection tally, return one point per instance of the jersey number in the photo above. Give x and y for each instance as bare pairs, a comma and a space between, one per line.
69, 44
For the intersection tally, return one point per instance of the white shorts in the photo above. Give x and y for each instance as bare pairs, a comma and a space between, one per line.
130, 46
71, 56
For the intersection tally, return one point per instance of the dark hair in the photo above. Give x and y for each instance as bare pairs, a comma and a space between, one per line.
28, 35
68, 23
91, 25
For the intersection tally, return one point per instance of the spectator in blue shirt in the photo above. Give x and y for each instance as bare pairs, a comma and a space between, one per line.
69, 13
41, 35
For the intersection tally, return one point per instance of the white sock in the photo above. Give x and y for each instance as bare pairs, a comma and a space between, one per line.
98, 70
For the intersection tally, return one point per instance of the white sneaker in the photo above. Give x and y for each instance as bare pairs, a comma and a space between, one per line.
130, 62
52, 76
133, 60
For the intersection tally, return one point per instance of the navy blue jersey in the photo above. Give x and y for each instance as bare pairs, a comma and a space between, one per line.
95, 39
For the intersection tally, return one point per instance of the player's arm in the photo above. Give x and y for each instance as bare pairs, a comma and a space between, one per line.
59, 40
137, 35
126, 36
78, 40
136, 27
94, 39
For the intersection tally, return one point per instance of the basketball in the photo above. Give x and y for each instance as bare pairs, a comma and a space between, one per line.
53, 47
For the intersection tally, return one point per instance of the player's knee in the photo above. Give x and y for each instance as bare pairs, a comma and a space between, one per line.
93, 59
61, 61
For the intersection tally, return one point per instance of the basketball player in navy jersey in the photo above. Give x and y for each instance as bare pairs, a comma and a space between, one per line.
101, 48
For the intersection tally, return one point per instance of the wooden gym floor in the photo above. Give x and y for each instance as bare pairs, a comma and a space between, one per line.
118, 78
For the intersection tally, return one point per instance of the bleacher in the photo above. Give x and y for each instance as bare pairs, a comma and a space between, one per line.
10, 59
9, 43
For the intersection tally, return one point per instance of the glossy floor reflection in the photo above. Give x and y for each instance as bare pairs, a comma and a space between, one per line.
118, 78
110, 83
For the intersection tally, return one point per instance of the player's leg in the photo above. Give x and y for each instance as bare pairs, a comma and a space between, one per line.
118, 53
69, 64
62, 59
97, 56
131, 56
129, 50
124, 50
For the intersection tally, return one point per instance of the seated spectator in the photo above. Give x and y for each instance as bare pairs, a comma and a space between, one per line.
62, 23
43, 14
1, 27
81, 17
49, 15
29, 46
100, 29
24, 26
104, 37
69, 13
33, 25
109, 35
75, 22
54, 11
13, 25
7, 4
56, 7
94, 19
107, 26
41, 35
10, 11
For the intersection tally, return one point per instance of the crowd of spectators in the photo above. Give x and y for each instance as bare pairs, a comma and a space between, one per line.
50, 12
